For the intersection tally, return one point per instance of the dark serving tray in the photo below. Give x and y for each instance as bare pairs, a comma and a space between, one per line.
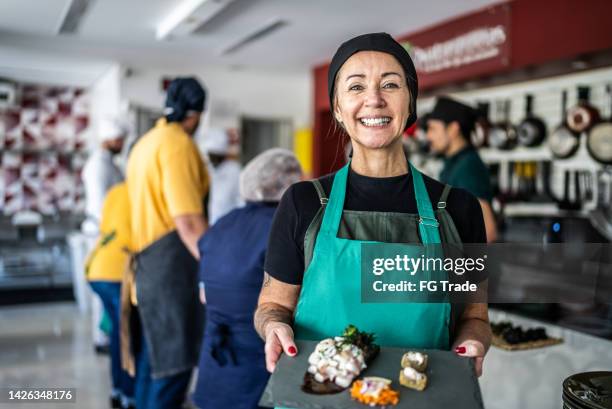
451, 382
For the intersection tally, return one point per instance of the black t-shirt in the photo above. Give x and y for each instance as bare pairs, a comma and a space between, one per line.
300, 203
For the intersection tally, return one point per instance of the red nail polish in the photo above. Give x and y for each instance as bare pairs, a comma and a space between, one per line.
460, 350
292, 350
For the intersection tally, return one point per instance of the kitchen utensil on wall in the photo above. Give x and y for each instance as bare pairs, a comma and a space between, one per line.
571, 201
563, 142
582, 116
532, 130
599, 140
503, 134
480, 134
601, 217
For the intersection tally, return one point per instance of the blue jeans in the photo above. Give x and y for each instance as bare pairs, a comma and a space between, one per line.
162, 393
110, 294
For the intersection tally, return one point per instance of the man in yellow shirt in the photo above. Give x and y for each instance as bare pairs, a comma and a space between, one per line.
104, 269
167, 184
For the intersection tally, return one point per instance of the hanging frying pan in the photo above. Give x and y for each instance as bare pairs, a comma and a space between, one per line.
563, 142
480, 135
599, 140
502, 135
583, 115
532, 131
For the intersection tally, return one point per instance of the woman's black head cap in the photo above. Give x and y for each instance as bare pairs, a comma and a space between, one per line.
382, 42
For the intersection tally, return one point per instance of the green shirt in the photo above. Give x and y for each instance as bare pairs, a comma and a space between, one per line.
466, 170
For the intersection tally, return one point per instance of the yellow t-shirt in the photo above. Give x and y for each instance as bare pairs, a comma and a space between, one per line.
166, 178
109, 258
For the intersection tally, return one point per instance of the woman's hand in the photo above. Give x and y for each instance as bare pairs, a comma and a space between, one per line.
273, 318
279, 339
473, 349
474, 334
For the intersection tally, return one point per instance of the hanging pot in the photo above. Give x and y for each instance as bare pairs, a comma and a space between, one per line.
480, 135
583, 115
599, 140
563, 142
532, 131
503, 134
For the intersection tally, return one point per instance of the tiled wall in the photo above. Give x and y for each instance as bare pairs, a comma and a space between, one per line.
43, 139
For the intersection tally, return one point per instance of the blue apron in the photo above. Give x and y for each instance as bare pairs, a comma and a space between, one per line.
232, 370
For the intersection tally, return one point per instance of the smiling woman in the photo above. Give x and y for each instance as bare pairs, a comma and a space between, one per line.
313, 284
372, 100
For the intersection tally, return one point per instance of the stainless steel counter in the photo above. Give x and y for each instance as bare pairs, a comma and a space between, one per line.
533, 379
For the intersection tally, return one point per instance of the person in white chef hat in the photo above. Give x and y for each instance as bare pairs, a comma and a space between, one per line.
100, 173
224, 173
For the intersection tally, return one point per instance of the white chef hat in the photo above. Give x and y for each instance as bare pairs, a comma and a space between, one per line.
216, 140
266, 177
112, 128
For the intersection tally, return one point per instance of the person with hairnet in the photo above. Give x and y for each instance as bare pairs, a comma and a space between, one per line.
167, 184
232, 370
224, 174
99, 174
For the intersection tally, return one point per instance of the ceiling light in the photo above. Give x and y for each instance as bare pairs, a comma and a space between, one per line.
188, 16
254, 35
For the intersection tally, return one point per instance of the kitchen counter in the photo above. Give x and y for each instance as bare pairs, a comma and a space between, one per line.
533, 379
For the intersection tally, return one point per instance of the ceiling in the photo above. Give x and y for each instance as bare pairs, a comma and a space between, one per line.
125, 30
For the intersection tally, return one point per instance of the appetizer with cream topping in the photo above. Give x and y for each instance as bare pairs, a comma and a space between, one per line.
336, 362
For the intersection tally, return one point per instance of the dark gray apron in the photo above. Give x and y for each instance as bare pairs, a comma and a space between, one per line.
168, 304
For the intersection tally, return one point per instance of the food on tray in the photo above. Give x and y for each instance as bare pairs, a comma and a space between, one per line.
413, 379
336, 362
374, 391
416, 360
508, 336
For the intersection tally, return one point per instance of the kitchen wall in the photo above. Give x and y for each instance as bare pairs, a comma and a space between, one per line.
105, 100
233, 93
547, 106
547, 93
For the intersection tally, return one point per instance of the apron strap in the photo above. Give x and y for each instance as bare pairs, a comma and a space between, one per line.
322, 196
428, 224
335, 204
444, 196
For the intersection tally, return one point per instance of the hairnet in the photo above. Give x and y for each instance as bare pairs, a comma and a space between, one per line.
184, 95
382, 42
112, 128
266, 177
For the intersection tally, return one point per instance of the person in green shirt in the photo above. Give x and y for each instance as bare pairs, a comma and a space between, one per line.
449, 126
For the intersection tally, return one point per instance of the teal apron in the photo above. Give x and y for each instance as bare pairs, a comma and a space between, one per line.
330, 298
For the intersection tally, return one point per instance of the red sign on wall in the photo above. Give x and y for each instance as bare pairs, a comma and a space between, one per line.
462, 48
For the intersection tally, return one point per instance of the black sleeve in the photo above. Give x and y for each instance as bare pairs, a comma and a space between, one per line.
285, 253
296, 210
